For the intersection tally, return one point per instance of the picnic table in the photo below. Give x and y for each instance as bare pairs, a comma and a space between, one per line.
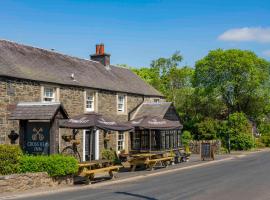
91, 168
149, 160
95, 164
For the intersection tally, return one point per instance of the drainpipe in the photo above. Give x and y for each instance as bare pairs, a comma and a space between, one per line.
129, 114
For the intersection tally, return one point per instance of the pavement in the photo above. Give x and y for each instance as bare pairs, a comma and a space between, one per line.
238, 176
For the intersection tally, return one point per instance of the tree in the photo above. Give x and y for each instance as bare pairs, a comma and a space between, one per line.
236, 77
219, 96
206, 129
164, 69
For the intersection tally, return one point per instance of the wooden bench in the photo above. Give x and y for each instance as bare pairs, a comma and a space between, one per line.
163, 162
150, 163
90, 174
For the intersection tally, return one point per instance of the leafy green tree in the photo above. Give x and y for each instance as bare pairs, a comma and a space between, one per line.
149, 75
216, 99
236, 77
164, 69
206, 129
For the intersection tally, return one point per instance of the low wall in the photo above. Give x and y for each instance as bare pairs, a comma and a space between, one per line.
27, 181
195, 146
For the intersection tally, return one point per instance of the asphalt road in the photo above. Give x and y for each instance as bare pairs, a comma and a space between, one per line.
244, 178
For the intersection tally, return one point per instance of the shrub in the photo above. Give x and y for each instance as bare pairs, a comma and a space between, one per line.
9, 159
54, 165
108, 155
238, 123
240, 131
259, 143
265, 139
242, 141
186, 138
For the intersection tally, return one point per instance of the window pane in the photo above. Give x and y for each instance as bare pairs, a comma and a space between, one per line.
48, 94
89, 101
120, 141
121, 103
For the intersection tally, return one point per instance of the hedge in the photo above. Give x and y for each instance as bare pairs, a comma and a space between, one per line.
10, 156
54, 165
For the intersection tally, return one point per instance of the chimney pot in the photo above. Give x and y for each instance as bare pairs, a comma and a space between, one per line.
101, 56
97, 49
101, 50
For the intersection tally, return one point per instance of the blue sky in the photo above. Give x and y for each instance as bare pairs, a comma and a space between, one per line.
136, 32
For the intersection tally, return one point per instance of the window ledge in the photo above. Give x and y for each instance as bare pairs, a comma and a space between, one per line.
121, 113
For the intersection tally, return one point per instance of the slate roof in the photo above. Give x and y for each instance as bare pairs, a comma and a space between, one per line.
36, 111
26, 62
152, 109
154, 122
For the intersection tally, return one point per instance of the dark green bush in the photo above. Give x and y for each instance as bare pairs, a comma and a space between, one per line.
265, 139
186, 138
242, 141
240, 131
54, 165
108, 154
9, 159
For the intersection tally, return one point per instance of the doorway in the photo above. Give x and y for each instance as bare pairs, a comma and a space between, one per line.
90, 145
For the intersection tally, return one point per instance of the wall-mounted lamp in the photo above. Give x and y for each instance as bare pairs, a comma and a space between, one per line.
13, 137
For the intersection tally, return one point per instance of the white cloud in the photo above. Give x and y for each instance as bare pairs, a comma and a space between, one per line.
257, 34
266, 53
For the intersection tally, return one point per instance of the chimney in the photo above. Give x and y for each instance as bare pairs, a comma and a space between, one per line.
100, 55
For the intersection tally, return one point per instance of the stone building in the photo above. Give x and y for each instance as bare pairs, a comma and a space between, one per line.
29, 74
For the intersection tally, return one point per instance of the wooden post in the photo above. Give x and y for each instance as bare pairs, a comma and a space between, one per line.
91, 144
150, 140
22, 133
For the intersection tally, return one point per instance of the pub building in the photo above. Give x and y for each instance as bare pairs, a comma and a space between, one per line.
39, 88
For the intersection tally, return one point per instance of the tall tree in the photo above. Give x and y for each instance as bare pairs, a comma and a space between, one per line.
236, 77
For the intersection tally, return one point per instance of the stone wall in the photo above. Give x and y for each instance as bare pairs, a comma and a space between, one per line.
13, 91
195, 146
27, 181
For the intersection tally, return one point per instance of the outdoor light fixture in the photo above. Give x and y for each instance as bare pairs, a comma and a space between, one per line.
13, 137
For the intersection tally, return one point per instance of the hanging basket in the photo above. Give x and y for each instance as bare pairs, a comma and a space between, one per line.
76, 142
67, 138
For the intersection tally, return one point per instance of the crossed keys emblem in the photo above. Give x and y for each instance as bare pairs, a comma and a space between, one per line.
37, 134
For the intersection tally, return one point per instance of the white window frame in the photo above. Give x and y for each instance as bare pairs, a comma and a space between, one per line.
53, 97
124, 104
121, 146
87, 94
156, 100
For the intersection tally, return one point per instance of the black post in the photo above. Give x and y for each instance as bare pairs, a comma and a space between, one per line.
229, 139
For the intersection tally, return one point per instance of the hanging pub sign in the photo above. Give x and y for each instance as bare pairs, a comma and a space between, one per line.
37, 139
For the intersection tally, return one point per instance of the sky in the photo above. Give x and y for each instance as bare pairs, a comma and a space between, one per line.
139, 31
